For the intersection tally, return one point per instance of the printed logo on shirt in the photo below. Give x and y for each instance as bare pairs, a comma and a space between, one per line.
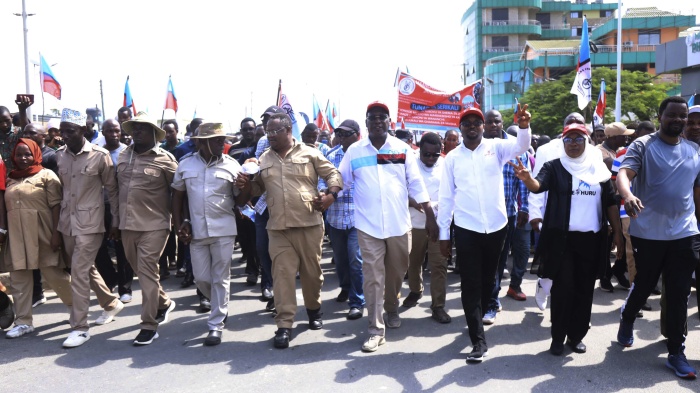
489, 153
391, 158
583, 189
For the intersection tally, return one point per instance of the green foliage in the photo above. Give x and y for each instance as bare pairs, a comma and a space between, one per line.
550, 102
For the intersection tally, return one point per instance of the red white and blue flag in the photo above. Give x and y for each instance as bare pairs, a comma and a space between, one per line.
319, 117
49, 84
599, 113
582, 83
332, 116
170, 98
128, 100
283, 102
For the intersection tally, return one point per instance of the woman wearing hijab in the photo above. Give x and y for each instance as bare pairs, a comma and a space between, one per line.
33, 202
572, 249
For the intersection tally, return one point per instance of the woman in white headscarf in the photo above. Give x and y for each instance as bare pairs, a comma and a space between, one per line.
572, 249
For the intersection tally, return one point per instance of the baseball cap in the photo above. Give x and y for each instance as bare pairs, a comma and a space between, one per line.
349, 125
272, 110
379, 105
694, 109
617, 128
472, 111
575, 127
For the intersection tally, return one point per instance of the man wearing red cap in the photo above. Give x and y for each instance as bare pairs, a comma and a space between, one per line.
471, 188
384, 172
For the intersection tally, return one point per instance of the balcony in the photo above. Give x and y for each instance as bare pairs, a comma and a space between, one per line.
496, 51
556, 32
505, 27
536, 4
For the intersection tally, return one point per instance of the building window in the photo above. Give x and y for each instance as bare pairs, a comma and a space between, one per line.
499, 41
544, 19
499, 14
649, 37
576, 15
605, 13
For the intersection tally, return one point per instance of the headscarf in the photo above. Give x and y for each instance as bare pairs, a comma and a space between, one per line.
35, 166
588, 167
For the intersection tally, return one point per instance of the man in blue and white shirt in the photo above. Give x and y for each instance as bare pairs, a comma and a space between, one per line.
341, 219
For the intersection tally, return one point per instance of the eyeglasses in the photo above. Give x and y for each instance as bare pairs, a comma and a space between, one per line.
377, 118
579, 140
275, 132
345, 134
467, 123
430, 155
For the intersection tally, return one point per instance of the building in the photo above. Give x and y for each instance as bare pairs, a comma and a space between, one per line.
514, 43
682, 56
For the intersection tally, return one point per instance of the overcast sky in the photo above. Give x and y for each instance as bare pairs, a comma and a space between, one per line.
224, 54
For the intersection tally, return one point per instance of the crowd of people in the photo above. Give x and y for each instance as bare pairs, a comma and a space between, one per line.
73, 196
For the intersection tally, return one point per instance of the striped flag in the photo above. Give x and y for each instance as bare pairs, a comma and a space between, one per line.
582, 83
128, 100
599, 113
170, 99
49, 84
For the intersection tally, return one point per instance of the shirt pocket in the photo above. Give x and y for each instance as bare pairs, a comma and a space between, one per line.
300, 166
307, 199
266, 170
223, 184
90, 170
149, 177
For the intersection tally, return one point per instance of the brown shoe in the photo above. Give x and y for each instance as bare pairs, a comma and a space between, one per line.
516, 294
441, 316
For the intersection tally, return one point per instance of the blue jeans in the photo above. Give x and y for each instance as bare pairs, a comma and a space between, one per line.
517, 239
348, 264
262, 243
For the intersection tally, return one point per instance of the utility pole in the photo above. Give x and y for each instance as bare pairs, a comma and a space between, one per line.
102, 97
24, 16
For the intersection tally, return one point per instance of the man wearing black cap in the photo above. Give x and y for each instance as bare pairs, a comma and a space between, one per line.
471, 189
384, 172
341, 219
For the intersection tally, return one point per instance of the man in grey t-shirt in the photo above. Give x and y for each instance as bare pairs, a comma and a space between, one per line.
664, 169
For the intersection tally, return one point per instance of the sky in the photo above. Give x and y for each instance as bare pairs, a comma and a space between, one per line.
227, 57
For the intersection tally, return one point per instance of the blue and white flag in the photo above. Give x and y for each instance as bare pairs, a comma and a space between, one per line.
582, 83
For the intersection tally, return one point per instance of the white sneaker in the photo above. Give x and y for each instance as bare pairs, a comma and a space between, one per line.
373, 343
39, 302
544, 285
108, 316
126, 298
76, 338
19, 330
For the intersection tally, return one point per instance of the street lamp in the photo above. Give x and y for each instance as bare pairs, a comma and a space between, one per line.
24, 16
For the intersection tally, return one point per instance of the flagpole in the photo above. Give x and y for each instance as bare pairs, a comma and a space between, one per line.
41, 86
618, 96
102, 97
279, 90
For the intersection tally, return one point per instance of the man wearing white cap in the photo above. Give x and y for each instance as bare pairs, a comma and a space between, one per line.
84, 170
144, 174
207, 179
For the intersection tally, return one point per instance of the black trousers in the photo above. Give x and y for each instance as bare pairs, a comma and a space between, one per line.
477, 258
246, 238
169, 253
676, 259
124, 275
572, 290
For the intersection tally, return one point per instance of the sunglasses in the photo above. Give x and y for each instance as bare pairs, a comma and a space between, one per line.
377, 118
275, 132
467, 123
579, 140
430, 155
345, 134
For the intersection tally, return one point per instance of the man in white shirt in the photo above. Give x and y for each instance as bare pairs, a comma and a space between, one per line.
472, 189
430, 165
385, 174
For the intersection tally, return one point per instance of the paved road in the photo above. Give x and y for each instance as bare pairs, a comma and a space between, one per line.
422, 355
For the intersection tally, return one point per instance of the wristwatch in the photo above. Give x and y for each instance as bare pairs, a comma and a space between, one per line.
3, 231
187, 221
335, 195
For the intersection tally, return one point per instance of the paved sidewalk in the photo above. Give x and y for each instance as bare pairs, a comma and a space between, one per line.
422, 355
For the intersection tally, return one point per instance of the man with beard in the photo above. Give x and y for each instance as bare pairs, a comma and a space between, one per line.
472, 188
247, 138
9, 138
663, 169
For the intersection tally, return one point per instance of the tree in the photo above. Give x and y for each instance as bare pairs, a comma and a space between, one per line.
551, 101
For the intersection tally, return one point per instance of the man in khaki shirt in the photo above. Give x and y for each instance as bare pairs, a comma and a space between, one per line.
84, 169
289, 172
144, 174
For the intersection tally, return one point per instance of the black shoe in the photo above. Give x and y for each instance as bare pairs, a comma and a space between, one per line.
355, 313
270, 306
477, 354
622, 280
252, 279
162, 316
412, 299
606, 285
188, 281
556, 349
267, 294
640, 314
579, 347
282, 337
180, 273
646, 307
656, 291
164, 274
342, 296
145, 337
214, 338
204, 303
315, 321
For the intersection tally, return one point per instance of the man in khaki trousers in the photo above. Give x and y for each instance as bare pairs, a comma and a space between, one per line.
84, 169
144, 174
